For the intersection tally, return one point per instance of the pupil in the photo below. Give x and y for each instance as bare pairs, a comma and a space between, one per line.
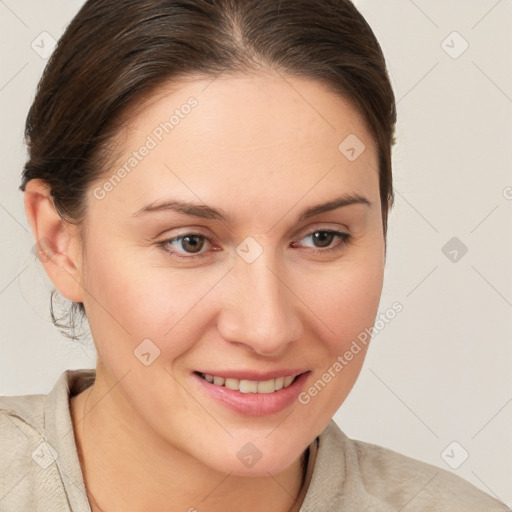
190, 243
324, 238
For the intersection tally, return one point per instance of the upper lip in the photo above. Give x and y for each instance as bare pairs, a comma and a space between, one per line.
255, 375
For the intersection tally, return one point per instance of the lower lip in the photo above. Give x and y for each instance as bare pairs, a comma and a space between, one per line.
255, 404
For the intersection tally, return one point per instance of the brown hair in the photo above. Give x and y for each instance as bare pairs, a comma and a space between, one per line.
113, 55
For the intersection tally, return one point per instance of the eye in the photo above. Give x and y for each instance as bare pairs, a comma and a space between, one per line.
188, 243
322, 239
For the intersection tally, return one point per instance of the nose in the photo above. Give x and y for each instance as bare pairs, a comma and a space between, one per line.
259, 309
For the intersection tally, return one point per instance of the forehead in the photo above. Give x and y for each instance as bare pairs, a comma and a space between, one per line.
246, 134
263, 106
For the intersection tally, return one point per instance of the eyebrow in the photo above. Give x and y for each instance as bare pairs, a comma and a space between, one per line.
207, 212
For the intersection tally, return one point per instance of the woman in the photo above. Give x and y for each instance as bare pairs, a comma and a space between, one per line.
209, 184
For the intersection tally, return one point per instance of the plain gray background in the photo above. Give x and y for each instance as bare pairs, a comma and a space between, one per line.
436, 382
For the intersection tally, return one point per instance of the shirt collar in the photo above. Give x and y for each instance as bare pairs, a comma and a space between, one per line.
329, 472
59, 433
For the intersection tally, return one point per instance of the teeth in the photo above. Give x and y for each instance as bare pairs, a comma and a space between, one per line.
287, 381
232, 384
267, 386
218, 381
250, 386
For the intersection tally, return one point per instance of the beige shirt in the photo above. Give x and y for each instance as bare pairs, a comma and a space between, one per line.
40, 469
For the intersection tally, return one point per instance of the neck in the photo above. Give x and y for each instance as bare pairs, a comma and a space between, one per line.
127, 468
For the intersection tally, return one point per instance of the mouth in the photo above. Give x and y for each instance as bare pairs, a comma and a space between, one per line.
250, 393
250, 386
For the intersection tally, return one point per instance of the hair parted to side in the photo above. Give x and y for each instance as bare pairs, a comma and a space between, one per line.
113, 55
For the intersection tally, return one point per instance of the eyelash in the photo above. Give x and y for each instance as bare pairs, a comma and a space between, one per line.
344, 238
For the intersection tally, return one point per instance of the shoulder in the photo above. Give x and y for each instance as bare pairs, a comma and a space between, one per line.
21, 435
390, 478
31, 450
25, 409
21, 424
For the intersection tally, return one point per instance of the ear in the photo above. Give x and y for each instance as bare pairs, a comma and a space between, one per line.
58, 244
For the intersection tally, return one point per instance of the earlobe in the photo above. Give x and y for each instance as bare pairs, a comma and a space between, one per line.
57, 242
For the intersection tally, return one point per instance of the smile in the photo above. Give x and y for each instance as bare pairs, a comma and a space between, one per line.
253, 393
250, 386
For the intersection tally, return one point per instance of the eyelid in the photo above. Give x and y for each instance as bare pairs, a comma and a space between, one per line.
198, 230
179, 254
344, 238
324, 227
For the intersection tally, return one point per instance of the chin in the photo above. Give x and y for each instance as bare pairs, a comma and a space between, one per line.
257, 459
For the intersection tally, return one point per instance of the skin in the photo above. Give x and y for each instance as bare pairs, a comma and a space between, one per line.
262, 153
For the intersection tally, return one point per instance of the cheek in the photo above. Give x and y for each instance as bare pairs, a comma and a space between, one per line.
344, 299
136, 297
345, 305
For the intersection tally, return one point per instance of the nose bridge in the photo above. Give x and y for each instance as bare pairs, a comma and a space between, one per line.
261, 311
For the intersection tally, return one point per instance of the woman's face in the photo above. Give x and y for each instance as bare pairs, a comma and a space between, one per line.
260, 286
